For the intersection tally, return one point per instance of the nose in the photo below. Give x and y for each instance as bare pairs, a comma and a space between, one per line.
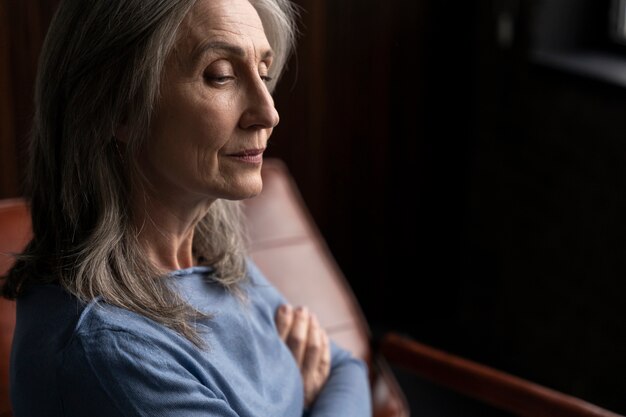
259, 111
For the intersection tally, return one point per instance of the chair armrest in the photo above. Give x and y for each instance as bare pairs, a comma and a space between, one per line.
499, 389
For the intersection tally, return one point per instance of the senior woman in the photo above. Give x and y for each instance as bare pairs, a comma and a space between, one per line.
135, 296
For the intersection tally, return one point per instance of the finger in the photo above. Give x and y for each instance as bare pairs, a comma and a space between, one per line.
284, 319
296, 338
314, 348
324, 363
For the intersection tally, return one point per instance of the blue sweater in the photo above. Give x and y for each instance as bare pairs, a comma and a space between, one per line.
96, 360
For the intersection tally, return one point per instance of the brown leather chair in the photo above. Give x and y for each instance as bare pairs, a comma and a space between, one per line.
289, 249
14, 235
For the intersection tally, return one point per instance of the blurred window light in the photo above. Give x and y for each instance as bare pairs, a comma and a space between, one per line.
618, 21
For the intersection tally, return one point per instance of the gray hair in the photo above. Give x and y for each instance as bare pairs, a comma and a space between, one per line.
278, 18
101, 66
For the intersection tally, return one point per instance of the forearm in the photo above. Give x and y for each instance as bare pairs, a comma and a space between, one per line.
346, 393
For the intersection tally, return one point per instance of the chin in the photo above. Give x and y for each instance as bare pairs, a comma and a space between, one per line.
246, 189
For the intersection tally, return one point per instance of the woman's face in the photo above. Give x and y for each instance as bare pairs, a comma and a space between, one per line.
215, 114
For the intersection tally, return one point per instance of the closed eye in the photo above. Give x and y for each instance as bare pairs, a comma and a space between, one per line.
219, 79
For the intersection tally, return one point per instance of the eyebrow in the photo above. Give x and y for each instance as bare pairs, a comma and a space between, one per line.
235, 50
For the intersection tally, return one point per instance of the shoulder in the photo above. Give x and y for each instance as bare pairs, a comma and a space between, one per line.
112, 344
126, 362
103, 327
110, 340
99, 316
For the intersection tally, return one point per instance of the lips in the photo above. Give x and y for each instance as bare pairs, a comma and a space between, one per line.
251, 156
247, 152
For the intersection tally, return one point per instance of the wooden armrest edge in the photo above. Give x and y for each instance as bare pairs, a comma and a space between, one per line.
497, 388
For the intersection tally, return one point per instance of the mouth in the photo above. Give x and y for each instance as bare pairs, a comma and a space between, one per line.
251, 156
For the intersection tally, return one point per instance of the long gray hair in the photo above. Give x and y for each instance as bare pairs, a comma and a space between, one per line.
101, 66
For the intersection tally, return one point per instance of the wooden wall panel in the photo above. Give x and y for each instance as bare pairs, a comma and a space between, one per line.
8, 156
24, 25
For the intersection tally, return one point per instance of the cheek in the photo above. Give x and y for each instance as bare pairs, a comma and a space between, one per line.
209, 125
191, 135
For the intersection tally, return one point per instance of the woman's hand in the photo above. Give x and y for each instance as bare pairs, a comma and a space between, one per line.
308, 342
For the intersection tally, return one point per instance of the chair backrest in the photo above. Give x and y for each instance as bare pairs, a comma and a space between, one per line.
14, 235
287, 246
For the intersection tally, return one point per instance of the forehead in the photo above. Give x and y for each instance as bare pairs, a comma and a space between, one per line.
234, 22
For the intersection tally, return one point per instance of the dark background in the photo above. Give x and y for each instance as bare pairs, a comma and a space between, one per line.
470, 179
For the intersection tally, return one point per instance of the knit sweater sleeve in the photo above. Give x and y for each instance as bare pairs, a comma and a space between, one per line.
110, 373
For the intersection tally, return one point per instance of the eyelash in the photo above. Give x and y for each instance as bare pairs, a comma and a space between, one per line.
220, 79
223, 79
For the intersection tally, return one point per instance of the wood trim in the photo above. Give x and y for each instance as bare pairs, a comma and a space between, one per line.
499, 389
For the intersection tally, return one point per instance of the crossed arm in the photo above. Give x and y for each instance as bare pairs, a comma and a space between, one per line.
308, 342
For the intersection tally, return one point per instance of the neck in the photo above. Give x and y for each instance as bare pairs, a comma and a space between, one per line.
166, 230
